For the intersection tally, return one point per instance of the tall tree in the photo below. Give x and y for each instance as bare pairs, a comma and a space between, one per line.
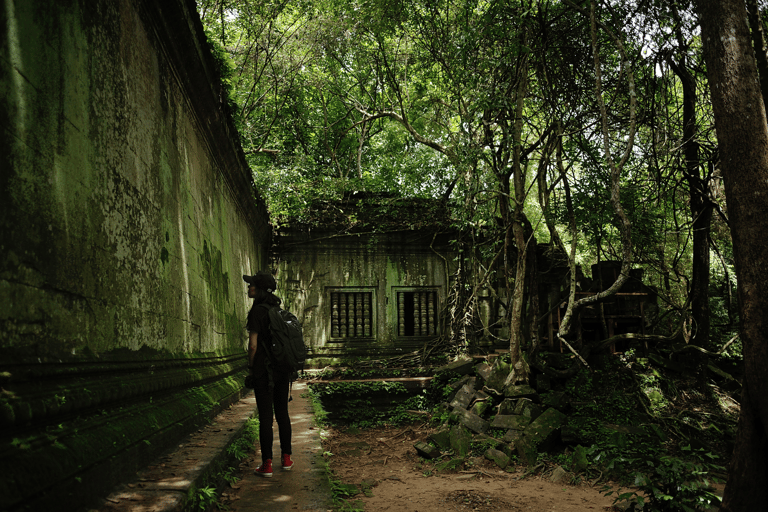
742, 132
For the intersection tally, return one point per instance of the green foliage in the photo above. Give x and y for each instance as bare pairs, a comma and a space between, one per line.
359, 410
243, 446
225, 69
340, 494
605, 396
667, 483
203, 498
608, 400
478, 448
450, 464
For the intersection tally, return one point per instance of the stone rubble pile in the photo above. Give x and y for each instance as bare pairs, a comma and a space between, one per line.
481, 407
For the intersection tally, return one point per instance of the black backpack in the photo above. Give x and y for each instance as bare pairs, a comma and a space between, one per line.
288, 351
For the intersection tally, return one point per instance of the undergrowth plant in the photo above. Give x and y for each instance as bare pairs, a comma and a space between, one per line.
204, 498
357, 407
667, 483
242, 447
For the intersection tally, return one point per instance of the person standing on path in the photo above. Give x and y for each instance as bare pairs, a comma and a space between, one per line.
271, 385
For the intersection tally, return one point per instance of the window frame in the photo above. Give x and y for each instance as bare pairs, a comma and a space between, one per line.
330, 291
435, 313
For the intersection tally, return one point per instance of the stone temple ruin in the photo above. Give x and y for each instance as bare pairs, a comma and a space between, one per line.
370, 276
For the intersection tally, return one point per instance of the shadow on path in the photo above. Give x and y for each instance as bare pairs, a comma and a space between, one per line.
305, 487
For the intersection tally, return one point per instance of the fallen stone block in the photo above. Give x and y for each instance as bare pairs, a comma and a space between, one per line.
521, 391
426, 450
463, 397
512, 435
511, 421
490, 441
462, 366
472, 421
527, 451
526, 407
579, 458
500, 458
481, 395
545, 426
450, 464
507, 406
498, 375
558, 475
461, 440
540, 435
441, 437
459, 384
479, 407
483, 371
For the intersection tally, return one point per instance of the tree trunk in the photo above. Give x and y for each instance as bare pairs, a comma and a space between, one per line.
758, 44
701, 213
516, 324
742, 136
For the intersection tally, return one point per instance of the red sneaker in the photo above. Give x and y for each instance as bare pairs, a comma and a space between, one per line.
265, 469
287, 462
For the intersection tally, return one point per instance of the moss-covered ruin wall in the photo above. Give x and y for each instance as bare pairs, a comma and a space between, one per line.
127, 217
316, 264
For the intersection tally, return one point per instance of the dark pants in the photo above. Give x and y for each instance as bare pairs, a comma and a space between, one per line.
266, 401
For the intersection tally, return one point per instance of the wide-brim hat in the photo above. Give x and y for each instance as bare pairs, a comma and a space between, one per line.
263, 280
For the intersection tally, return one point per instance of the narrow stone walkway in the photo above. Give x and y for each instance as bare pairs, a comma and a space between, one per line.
305, 487
164, 485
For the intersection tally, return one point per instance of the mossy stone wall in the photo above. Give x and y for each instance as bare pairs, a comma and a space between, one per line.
315, 263
128, 215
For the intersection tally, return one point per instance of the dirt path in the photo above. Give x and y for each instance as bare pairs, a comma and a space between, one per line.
305, 487
383, 465
385, 462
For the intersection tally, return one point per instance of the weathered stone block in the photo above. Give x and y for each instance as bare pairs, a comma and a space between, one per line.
528, 408
480, 407
500, 458
540, 434
579, 458
490, 441
441, 437
507, 406
521, 391
457, 385
463, 397
558, 475
498, 375
527, 451
511, 421
512, 435
472, 421
460, 440
483, 371
467, 379
426, 450
459, 367
545, 425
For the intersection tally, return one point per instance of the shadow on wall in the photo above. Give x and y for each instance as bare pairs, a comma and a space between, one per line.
126, 204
